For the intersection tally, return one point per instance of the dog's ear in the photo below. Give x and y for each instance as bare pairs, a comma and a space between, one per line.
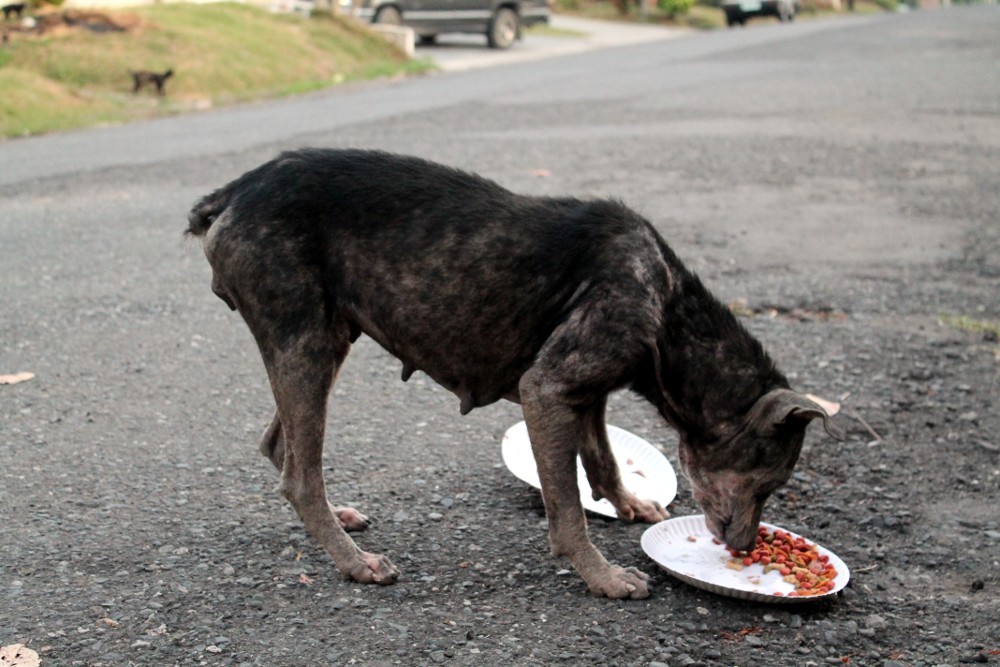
784, 406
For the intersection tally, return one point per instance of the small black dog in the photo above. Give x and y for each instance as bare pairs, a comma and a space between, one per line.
15, 9
551, 303
142, 77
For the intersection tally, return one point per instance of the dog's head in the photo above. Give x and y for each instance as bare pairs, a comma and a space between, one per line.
731, 480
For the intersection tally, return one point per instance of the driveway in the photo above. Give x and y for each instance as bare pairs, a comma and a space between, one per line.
456, 52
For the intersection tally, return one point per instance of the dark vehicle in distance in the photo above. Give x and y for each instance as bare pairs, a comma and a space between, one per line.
500, 20
738, 11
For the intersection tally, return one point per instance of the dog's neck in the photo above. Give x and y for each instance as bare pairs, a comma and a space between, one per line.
711, 369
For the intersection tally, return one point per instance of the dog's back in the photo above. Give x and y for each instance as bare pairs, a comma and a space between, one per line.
450, 272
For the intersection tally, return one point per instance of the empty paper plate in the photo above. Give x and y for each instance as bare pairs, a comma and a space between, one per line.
645, 471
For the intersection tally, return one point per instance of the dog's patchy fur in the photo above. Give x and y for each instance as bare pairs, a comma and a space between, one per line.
552, 303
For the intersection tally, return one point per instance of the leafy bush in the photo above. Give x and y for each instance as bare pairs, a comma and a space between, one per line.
674, 8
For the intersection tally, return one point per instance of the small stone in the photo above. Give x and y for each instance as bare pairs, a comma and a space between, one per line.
755, 641
435, 516
702, 611
437, 656
876, 622
893, 663
656, 663
795, 622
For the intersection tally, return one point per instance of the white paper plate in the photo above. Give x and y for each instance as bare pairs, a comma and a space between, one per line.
702, 563
645, 471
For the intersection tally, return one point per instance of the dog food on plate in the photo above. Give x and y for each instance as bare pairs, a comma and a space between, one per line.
796, 559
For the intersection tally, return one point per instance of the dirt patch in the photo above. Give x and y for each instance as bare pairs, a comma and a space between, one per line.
50, 22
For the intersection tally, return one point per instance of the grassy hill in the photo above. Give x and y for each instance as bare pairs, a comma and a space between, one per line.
75, 73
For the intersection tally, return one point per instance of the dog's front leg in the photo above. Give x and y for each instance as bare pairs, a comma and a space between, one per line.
555, 430
605, 478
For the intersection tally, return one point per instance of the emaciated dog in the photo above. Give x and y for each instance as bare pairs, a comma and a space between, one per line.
550, 303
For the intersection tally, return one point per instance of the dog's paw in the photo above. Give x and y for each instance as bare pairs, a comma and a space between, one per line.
620, 583
373, 569
351, 519
633, 509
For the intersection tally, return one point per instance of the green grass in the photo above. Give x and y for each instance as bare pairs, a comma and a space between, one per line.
220, 53
989, 331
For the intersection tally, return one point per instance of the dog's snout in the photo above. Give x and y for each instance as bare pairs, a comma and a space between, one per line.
741, 538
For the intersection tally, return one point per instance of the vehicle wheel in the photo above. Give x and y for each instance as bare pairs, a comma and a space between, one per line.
504, 29
785, 12
427, 40
733, 17
389, 16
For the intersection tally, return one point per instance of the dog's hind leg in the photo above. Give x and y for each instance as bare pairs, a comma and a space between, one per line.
302, 365
605, 478
272, 445
557, 428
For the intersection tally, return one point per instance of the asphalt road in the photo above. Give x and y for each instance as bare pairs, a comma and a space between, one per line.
841, 175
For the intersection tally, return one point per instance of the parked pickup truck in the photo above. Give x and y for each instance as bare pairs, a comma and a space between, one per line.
500, 20
738, 11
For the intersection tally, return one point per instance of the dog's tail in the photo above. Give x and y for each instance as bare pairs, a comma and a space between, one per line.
204, 213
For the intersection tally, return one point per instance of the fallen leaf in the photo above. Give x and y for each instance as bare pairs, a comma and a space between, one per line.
829, 407
305, 579
14, 379
18, 655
